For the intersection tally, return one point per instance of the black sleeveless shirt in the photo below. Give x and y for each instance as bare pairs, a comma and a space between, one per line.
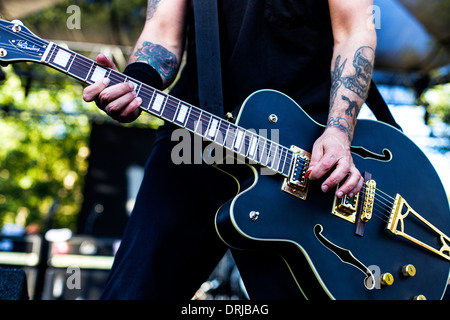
285, 45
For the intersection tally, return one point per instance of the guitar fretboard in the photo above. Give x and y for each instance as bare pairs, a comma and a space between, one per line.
244, 142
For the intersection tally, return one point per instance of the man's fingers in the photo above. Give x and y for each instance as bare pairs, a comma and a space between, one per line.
90, 93
116, 92
105, 61
352, 184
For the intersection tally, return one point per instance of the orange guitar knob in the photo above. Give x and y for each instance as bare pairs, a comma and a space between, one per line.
409, 270
387, 279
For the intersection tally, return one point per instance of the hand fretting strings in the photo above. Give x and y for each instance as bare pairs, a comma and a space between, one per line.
78, 66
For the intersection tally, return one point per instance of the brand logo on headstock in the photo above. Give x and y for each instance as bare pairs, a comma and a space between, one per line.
26, 46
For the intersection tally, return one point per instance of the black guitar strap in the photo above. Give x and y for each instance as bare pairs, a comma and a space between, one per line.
208, 56
209, 66
379, 107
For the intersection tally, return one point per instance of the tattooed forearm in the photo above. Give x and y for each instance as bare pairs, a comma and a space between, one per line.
342, 125
151, 8
349, 88
358, 82
336, 79
352, 106
164, 61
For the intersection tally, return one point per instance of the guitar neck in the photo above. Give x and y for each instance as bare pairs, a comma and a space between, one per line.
243, 142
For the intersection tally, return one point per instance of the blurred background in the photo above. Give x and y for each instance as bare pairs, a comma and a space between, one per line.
67, 183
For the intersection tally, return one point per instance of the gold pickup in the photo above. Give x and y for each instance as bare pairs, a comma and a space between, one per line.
347, 207
297, 183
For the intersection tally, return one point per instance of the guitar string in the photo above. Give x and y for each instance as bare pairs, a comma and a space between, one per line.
172, 105
77, 65
80, 64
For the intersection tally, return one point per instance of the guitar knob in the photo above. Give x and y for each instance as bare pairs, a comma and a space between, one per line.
409, 270
387, 279
420, 297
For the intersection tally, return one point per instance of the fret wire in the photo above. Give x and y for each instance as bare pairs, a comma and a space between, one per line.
282, 160
278, 153
226, 132
208, 126
267, 154
177, 111
198, 121
270, 155
89, 72
163, 108
74, 56
265, 151
263, 147
231, 136
203, 128
218, 130
274, 156
188, 115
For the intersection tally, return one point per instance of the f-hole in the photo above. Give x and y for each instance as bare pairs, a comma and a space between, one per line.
366, 154
346, 256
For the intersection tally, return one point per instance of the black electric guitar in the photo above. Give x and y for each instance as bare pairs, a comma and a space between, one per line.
388, 242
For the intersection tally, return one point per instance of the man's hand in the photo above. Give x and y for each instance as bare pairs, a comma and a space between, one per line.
118, 101
332, 150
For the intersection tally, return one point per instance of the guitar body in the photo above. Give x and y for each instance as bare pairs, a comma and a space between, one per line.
326, 258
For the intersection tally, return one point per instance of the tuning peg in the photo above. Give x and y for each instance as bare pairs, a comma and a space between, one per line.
17, 22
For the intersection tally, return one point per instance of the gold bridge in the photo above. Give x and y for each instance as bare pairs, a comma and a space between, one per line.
400, 211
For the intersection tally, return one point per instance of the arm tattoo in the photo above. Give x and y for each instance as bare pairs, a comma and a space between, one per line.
336, 79
151, 8
341, 124
352, 105
358, 82
164, 61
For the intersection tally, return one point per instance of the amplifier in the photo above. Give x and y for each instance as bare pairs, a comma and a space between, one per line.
20, 250
84, 252
78, 267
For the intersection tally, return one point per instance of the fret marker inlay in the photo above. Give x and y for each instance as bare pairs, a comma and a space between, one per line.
99, 73
158, 102
62, 58
182, 113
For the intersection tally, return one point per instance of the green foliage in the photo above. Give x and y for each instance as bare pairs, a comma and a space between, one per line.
438, 99
44, 149
44, 145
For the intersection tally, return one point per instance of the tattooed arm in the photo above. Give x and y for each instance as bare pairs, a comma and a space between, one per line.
160, 45
161, 42
351, 72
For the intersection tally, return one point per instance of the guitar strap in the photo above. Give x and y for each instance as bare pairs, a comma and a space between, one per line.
209, 66
208, 56
379, 107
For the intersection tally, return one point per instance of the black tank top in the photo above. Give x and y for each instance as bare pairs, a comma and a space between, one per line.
269, 44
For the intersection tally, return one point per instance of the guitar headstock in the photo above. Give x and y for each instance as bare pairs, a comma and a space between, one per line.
18, 43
